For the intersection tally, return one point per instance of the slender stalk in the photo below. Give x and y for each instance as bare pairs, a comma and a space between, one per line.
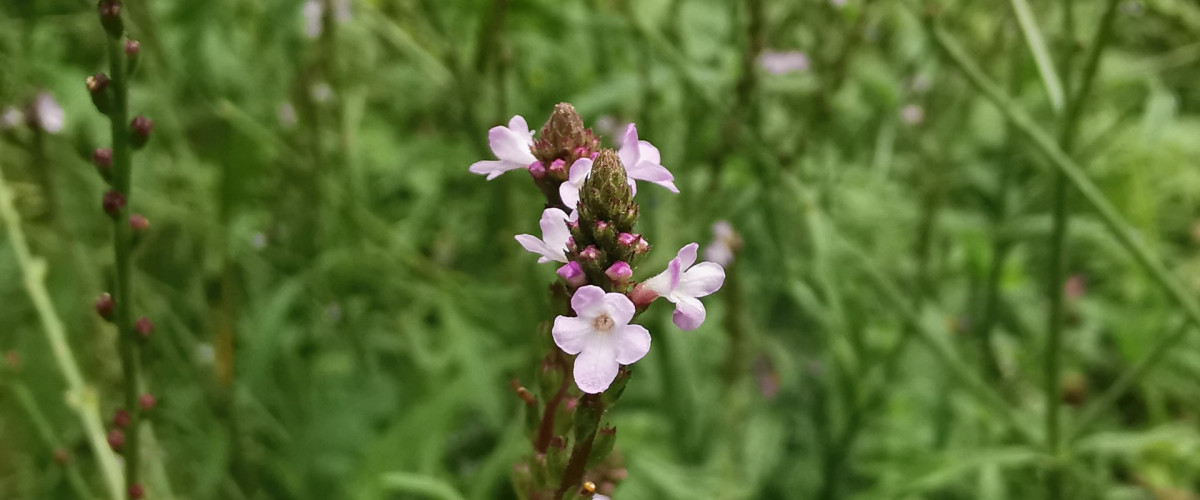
122, 239
81, 398
1041, 54
1052, 364
577, 464
48, 435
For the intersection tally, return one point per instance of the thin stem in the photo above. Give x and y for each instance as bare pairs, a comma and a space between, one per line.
49, 437
1054, 322
577, 464
1041, 55
81, 398
122, 180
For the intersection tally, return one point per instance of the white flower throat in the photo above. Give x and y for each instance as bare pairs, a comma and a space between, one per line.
603, 323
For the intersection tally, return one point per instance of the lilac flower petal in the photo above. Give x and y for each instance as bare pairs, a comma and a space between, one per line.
596, 368
571, 334
630, 152
653, 172
719, 252
689, 313
647, 152
532, 244
579, 171
49, 114
702, 279
587, 301
687, 255
510, 145
619, 307
554, 228
492, 168
632, 343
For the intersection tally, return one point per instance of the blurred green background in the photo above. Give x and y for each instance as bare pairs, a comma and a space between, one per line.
340, 305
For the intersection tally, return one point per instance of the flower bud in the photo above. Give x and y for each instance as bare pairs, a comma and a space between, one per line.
97, 86
641, 247
571, 246
105, 306
133, 50
62, 456
110, 17
136, 491
558, 169
122, 419
113, 203
139, 223
537, 171
139, 131
144, 327
1074, 389
642, 296
561, 134
147, 402
619, 273
572, 273
103, 160
628, 239
591, 253
116, 439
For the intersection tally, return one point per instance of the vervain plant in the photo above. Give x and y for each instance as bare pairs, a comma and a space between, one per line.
110, 93
588, 227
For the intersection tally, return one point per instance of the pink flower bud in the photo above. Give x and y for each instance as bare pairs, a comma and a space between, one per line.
140, 129
571, 244
558, 167
122, 419
102, 158
116, 439
619, 272
136, 491
537, 171
132, 48
642, 296
147, 402
590, 253
572, 273
601, 225
139, 223
627, 239
641, 247
144, 327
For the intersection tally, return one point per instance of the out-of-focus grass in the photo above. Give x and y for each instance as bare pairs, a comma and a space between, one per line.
340, 305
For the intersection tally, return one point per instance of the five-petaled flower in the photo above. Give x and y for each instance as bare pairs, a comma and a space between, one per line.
553, 245
683, 284
641, 160
601, 335
511, 145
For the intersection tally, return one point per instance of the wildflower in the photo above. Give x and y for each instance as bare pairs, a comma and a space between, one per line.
683, 284
640, 159
287, 115
46, 114
601, 335
779, 63
511, 145
726, 243
553, 245
912, 114
572, 273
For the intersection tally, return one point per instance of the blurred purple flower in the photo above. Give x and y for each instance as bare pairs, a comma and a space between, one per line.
312, 15
287, 115
726, 242
913, 114
46, 114
778, 63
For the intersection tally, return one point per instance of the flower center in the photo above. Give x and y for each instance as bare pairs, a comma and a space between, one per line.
603, 323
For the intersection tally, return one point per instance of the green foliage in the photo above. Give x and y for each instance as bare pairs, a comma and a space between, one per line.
340, 305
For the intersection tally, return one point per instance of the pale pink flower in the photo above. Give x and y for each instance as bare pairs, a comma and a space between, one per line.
912, 114
683, 284
601, 335
725, 244
511, 145
779, 63
555, 233
47, 114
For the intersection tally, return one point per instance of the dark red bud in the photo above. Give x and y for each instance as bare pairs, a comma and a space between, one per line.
105, 305
132, 48
139, 131
136, 491
147, 402
144, 327
122, 419
102, 158
138, 223
116, 439
113, 203
110, 17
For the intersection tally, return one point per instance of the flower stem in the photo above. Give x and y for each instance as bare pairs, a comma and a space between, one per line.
122, 180
577, 464
80, 397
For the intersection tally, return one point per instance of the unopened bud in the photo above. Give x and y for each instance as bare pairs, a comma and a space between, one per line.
139, 223
147, 402
133, 50
558, 168
642, 296
641, 247
105, 306
103, 160
571, 247
619, 272
572, 273
1074, 389
537, 171
110, 17
116, 439
122, 419
62, 456
589, 489
113, 203
97, 86
136, 491
628, 239
591, 253
139, 131
144, 327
